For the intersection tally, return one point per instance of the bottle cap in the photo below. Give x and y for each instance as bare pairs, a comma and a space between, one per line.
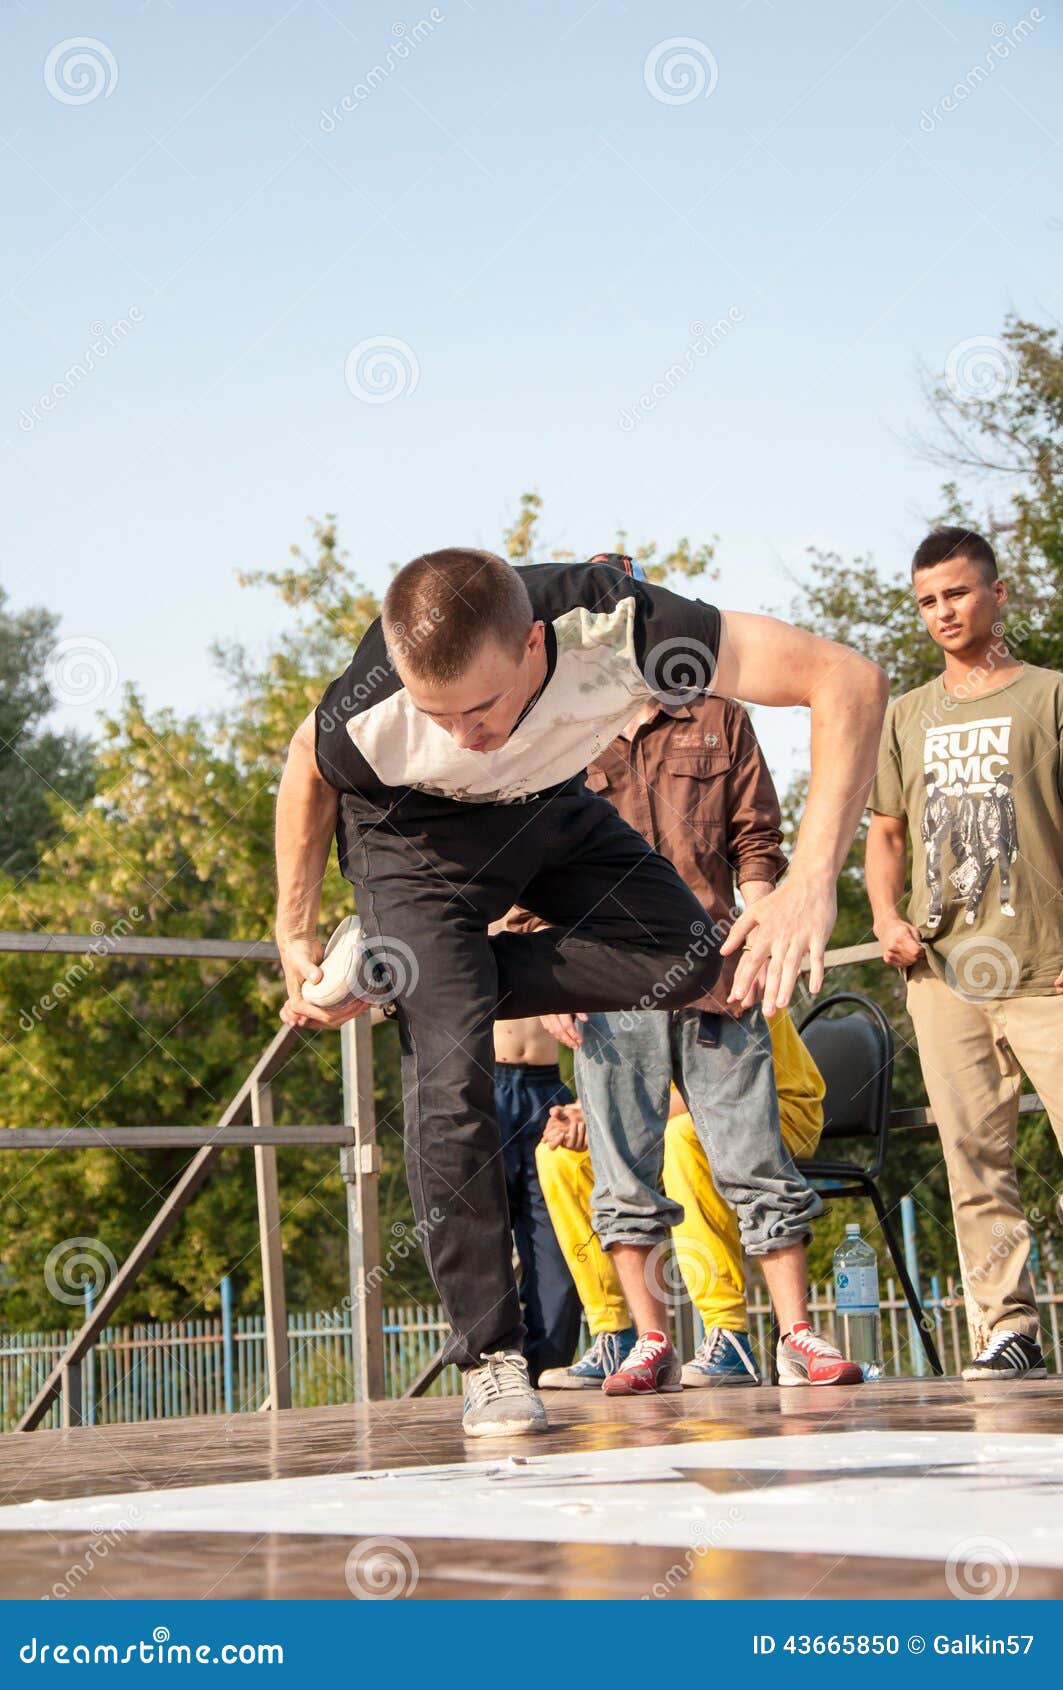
852, 1230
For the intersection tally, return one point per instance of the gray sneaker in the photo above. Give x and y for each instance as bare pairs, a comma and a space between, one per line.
499, 1400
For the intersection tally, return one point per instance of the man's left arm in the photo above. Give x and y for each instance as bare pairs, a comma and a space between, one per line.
765, 661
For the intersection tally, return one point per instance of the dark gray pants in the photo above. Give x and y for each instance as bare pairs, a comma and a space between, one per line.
626, 932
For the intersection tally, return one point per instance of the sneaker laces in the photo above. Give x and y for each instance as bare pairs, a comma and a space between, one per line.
712, 1346
501, 1374
996, 1344
646, 1349
604, 1352
717, 1343
813, 1343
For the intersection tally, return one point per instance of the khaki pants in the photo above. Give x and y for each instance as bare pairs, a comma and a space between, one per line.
971, 1052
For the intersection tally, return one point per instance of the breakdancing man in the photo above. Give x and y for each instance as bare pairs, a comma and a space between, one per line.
448, 761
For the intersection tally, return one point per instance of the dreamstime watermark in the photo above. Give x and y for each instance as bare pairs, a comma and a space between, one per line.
707, 1538
981, 1569
679, 666
380, 369
702, 341
65, 987
406, 1239
997, 653
981, 968
81, 670
104, 340
101, 1542
980, 370
407, 38
678, 1269
79, 70
1006, 1239
381, 1569
705, 940
77, 1263
1005, 41
679, 70
402, 643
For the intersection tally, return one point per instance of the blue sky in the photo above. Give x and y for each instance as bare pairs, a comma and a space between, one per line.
537, 203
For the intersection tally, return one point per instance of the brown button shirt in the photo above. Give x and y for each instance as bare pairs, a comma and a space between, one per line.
694, 782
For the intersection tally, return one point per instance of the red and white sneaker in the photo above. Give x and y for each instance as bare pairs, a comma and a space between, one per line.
652, 1366
805, 1358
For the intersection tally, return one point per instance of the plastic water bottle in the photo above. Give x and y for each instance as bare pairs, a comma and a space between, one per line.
856, 1300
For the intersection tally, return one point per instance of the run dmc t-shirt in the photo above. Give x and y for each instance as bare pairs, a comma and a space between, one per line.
611, 642
980, 782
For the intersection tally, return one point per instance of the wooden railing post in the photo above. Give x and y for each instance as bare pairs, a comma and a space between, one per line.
360, 1167
70, 1394
269, 1229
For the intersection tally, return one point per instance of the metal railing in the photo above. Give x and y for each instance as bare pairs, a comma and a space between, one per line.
249, 1121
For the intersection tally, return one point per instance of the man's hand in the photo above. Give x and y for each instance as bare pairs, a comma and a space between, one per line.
775, 936
300, 959
900, 941
566, 1128
564, 1028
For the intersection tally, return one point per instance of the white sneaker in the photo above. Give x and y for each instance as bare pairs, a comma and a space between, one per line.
348, 972
499, 1400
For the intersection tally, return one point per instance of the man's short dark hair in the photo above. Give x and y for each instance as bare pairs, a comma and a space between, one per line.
943, 544
441, 608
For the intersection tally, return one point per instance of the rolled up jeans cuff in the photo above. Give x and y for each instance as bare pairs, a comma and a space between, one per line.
642, 1234
780, 1231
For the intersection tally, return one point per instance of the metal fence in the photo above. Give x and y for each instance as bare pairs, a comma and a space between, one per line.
159, 1371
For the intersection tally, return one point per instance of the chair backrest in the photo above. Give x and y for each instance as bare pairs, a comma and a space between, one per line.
854, 1053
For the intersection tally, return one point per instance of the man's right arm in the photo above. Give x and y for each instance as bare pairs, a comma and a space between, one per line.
306, 823
885, 869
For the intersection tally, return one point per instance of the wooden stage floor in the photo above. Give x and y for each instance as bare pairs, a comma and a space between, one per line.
908, 1451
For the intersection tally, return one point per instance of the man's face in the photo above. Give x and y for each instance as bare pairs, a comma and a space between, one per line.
957, 604
480, 709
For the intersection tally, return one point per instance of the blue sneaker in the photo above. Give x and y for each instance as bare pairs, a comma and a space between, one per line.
722, 1358
608, 1351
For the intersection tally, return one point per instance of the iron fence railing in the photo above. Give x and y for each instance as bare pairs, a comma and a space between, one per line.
159, 1370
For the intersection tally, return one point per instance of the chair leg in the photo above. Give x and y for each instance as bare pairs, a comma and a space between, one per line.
921, 1318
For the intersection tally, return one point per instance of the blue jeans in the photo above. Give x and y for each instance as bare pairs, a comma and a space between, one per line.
624, 1070
549, 1302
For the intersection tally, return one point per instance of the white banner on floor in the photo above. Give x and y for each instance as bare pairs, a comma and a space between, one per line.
916, 1495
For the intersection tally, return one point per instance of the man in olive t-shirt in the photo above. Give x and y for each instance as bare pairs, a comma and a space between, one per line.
971, 771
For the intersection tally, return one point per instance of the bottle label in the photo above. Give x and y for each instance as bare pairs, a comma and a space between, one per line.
856, 1289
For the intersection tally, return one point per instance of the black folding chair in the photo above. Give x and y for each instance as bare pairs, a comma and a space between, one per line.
854, 1053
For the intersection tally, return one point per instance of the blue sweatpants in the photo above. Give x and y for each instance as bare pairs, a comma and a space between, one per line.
524, 1094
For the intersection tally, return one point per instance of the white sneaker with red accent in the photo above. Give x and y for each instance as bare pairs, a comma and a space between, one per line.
806, 1358
652, 1366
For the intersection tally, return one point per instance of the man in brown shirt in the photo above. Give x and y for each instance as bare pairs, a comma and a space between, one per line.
691, 777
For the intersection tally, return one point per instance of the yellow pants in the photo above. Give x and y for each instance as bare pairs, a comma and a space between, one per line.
706, 1242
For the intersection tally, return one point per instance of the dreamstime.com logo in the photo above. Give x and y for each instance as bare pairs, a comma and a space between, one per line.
159, 1650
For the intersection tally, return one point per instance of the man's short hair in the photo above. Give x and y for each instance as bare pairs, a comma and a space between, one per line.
943, 544
441, 608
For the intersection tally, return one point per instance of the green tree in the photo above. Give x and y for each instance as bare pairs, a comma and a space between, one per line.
35, 763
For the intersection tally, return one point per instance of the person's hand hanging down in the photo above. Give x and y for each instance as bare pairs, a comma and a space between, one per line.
565, 1028
566, 1128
